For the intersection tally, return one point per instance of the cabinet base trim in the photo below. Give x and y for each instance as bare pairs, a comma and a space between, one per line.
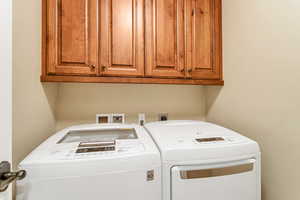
82, 79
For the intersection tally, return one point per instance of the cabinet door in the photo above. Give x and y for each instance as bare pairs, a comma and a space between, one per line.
122, 37
165, 38
206, 56
72, 38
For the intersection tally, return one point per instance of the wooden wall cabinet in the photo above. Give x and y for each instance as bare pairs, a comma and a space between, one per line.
132, 41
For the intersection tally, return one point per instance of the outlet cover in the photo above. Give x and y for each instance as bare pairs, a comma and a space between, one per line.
163, 117
142, 119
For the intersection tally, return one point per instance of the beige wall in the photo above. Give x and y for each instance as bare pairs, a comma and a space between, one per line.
79, 103
261, 96
33, 103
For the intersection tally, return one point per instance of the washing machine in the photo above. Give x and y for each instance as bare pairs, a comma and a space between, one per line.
204, 161
97, 162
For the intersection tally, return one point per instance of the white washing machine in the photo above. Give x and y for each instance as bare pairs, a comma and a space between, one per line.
109, 162
205, 161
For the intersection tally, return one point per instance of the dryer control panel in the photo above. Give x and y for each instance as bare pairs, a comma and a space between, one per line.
210, 139
206, 140
113, 148
93, 143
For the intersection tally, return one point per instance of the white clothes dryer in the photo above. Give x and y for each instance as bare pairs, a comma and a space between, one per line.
204, 161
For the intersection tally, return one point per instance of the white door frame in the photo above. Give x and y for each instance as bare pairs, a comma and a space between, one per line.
6, 86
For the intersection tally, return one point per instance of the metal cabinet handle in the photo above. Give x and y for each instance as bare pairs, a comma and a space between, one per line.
190, 70
7, 177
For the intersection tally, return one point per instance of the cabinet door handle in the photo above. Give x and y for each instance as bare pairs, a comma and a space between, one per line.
92, 67
195, 10
103, 68
182, 70
190, 70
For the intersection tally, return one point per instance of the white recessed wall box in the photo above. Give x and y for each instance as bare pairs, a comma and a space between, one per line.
110, 118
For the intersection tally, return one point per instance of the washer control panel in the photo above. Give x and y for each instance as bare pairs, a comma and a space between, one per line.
96, 149
87, 147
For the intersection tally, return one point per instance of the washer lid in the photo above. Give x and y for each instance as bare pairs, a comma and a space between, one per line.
195, 140
99, 135
86, 150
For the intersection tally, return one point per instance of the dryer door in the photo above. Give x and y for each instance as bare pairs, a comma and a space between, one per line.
223, 181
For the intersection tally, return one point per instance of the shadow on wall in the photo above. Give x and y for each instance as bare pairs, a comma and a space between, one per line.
33, 116
214, 92
51, 93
